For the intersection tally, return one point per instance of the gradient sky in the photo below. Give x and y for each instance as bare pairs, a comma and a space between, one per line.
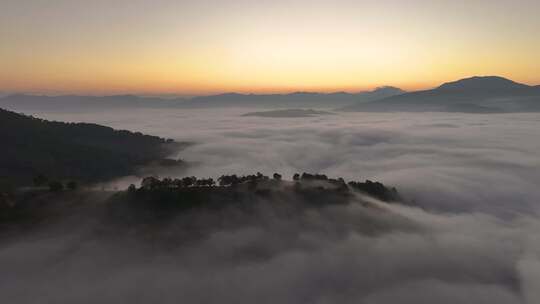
199, 47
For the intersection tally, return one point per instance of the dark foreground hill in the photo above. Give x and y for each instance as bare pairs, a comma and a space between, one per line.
80, 151
471, 95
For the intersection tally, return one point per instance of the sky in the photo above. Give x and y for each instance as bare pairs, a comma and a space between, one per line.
201, 47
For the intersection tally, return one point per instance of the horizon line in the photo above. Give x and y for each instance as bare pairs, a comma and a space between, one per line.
164, 94
157, 95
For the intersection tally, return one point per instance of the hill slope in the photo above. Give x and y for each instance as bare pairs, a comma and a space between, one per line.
88, 152
475, 95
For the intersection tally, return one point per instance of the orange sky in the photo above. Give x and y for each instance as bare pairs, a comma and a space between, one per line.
200, 47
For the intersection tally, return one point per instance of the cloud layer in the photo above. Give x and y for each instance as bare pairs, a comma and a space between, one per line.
472, 238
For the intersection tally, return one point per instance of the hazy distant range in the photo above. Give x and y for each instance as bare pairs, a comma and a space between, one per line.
489, 94
23, 102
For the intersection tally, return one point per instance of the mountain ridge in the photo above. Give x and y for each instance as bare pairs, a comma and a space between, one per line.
26, 102
482, 83
294, 99
479, 94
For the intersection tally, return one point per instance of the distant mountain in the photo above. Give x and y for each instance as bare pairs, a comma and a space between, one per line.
489, 94
488, 83
29, 103
293, 100
80, 151
380, 92
75, 103
288, 113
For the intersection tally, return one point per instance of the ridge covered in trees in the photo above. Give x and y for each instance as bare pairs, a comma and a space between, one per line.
160, 199
314, 189
374, 189
77, 151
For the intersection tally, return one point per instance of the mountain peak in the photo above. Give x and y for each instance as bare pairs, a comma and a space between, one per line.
389, 89
482, 83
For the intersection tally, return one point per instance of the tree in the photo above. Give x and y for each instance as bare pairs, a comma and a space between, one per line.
229, 180
306, 176
189, 181
72, 185
132, 188
56, 186
178, 183
167, 182
40, 180
277, 176
296, 177
235, 180
150, 183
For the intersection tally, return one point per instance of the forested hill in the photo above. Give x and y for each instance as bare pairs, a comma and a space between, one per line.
80, 151
157, 201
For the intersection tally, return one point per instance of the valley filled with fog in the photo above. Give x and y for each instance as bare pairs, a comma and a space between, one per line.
441, 160
470, 234
269, 152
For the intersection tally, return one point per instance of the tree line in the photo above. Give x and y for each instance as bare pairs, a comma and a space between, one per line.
375, 189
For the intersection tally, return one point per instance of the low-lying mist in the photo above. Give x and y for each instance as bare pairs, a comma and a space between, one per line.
471, 235
447, 161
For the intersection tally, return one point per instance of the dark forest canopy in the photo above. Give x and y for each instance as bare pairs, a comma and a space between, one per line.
85, 152
159, 199
313, 189
261, 181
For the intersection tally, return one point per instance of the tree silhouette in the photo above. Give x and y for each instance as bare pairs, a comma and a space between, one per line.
72, 185
56, 186
40, 180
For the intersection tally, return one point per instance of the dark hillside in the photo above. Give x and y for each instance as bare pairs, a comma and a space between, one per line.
81, 151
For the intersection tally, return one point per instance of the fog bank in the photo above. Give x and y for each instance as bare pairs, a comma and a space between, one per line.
471, 238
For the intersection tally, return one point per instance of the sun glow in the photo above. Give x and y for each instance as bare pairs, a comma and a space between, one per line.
186, 48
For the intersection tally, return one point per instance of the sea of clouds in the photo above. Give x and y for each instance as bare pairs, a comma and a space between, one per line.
472, 237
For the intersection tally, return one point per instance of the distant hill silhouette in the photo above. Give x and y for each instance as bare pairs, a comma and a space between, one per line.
288, 113
24, 103
297, 99
35, 103
85, 152
489, 94
482, 83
